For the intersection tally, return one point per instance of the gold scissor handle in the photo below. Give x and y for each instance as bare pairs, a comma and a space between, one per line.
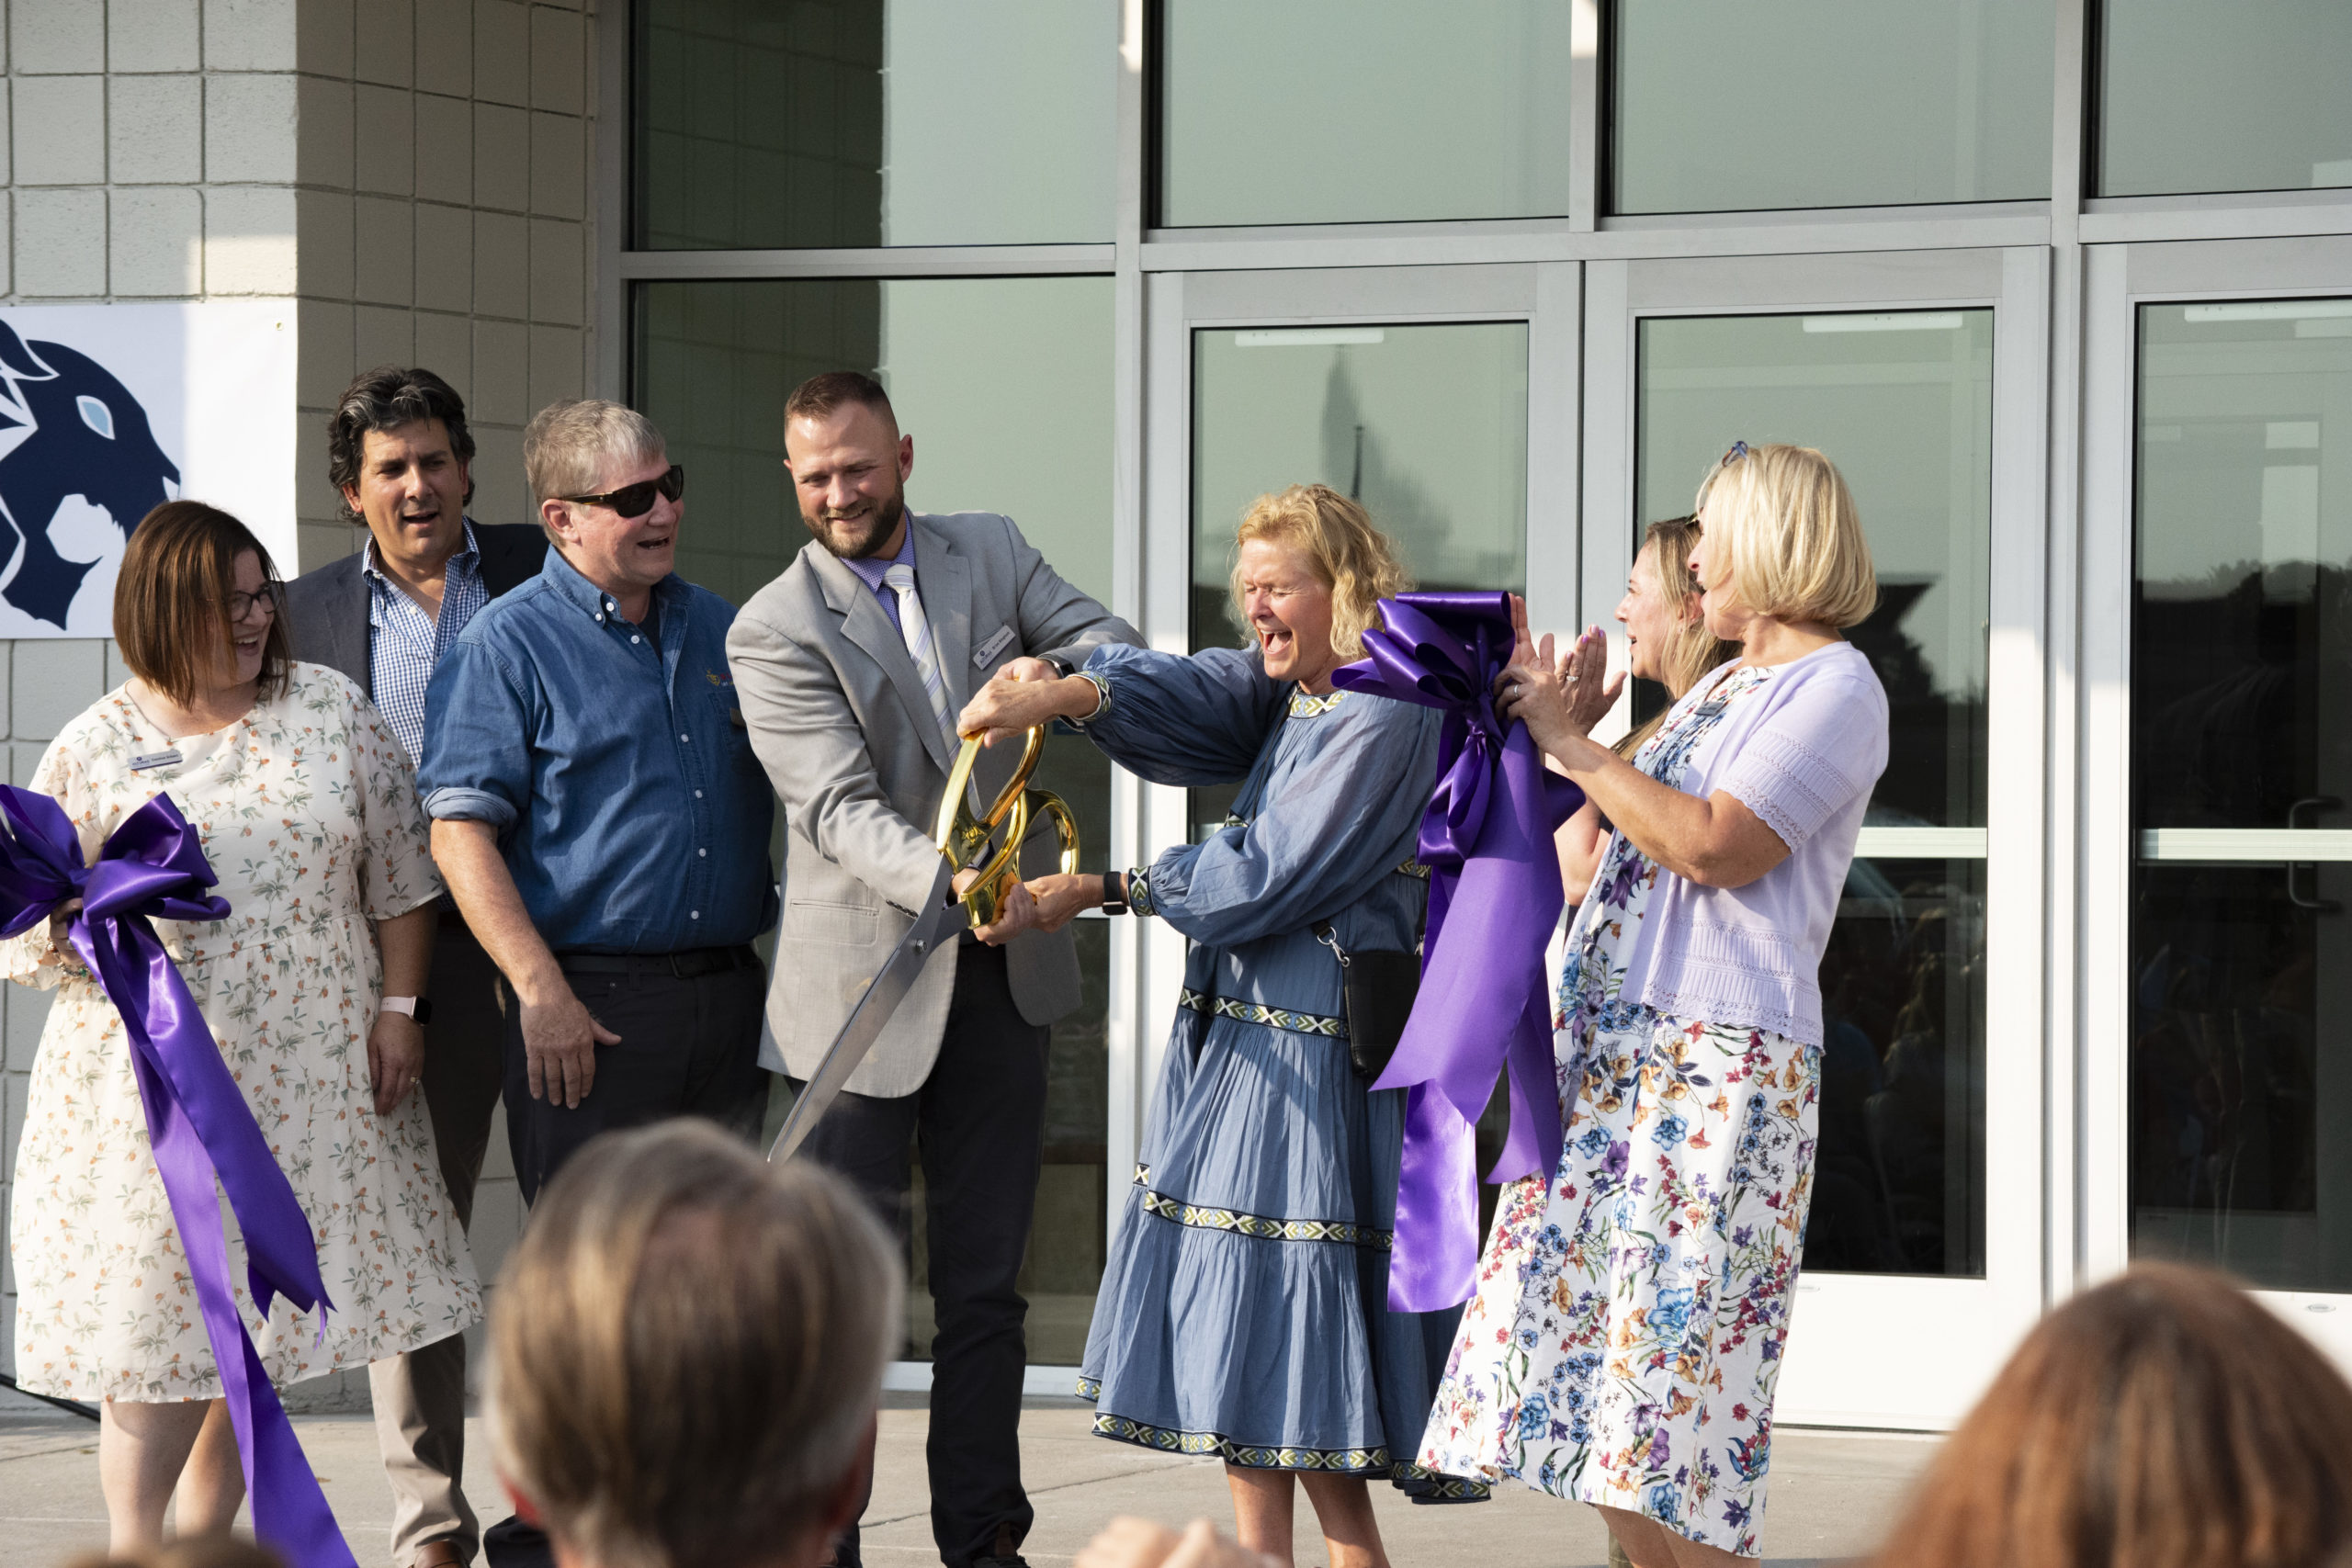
963, 838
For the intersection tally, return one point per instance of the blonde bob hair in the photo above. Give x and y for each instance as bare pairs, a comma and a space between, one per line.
1786, 522
1355, 560
687, 1349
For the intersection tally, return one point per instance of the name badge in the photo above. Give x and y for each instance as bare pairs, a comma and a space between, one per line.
990, 649
147, 759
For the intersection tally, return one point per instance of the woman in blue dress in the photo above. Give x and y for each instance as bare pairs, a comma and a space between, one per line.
1244, 1310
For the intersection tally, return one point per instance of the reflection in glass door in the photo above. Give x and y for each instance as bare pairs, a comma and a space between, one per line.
1424, 424
1903, 402
2242, 779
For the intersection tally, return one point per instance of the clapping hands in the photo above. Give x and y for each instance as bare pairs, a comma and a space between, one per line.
1559, 696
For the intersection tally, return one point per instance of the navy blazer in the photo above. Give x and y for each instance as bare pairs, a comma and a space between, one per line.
327, 610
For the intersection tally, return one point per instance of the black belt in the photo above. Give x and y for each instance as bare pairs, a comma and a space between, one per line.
694, 962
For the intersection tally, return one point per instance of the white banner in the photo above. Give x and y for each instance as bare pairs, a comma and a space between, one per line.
106, 411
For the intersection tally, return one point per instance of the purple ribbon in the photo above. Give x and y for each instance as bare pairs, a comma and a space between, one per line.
1494, 898
152, 867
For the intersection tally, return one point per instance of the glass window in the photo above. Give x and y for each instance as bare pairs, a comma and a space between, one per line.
2242, 766
1724, 106
1352, 407
978, 370
1903, 402
1358, 111
853, 123
2250, 98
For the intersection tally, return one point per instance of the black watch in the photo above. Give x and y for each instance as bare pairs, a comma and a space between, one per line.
1061, 662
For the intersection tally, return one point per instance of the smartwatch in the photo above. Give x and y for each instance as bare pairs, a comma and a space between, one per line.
1114, 893
417, 1008
1062, 662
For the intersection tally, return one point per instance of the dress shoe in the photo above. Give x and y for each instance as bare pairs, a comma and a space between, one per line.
439, 1554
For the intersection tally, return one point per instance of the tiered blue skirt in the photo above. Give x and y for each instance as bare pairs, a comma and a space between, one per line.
1243, 1312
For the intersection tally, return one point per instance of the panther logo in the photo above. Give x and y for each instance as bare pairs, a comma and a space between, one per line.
67, 428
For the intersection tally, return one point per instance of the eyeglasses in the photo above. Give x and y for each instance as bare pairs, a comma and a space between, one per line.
240, 605
1739, 449
635, 501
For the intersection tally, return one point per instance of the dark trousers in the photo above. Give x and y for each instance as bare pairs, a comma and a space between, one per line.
978, 1122
689, 1024
419, 1395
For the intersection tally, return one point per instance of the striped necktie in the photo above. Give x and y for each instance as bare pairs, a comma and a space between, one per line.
900, 580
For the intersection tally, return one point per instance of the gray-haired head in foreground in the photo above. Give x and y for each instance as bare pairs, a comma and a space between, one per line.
568, 446
386, 399
687, 1349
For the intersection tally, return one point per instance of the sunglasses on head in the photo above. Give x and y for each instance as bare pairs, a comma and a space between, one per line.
637, 500
1739, 449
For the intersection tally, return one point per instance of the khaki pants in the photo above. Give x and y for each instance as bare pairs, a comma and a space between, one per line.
420, 1395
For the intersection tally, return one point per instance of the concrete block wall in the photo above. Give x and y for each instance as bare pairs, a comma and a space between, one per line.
417, 173
443, 205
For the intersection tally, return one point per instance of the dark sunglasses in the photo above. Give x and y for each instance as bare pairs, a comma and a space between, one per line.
1738, 450
637, 500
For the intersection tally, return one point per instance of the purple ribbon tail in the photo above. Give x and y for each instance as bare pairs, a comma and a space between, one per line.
198, 1124
1494, 898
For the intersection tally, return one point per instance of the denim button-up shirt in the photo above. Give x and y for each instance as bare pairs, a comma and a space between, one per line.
627, 802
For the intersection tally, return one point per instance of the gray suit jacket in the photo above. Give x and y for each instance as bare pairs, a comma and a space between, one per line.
326, 610
837, 716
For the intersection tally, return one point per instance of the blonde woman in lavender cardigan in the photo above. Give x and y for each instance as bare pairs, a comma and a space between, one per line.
1625, 1333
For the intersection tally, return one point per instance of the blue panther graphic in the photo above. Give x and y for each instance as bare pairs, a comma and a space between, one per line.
83, 434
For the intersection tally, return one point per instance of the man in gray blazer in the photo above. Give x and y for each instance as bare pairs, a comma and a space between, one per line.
850, 667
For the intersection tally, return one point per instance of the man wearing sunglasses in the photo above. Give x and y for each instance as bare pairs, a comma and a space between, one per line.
598, 814
400, 458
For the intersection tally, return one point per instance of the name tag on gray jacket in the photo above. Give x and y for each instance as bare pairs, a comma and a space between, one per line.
982, 655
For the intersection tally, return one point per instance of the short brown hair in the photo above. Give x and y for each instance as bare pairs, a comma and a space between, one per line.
1355, 560
2165, 1419
687, 1349
819, 396
171, 598
388, 398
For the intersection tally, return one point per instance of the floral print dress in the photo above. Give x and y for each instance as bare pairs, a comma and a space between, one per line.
308, 813
1624, 1337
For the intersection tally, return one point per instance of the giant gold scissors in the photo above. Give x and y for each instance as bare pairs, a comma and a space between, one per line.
988, 842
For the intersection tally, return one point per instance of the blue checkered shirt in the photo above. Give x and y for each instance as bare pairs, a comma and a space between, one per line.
405, 645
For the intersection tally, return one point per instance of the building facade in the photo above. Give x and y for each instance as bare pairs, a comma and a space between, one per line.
2063, 286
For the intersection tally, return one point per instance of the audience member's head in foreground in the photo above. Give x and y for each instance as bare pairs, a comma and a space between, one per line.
687, 1349
2165, 1419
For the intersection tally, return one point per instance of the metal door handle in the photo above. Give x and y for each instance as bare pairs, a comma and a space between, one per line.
2313, 804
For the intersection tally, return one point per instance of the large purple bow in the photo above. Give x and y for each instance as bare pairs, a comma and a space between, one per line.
152, 867
1494, 898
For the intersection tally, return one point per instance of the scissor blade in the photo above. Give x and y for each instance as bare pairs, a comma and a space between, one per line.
888, 988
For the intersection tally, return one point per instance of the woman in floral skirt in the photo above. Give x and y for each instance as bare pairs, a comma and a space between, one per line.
1630, 1311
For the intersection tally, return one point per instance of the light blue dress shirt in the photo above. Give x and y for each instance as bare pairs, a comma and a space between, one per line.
627, 802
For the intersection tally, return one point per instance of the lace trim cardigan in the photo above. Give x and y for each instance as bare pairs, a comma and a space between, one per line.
1802, 751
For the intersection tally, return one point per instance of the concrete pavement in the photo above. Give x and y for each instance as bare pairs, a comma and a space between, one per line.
1832, 1494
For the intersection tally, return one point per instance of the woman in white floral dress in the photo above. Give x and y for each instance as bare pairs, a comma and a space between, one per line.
1624, 1337
309, 815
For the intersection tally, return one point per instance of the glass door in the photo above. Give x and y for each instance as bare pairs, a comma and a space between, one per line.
1441, 398
1906, 371
2225, 1058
